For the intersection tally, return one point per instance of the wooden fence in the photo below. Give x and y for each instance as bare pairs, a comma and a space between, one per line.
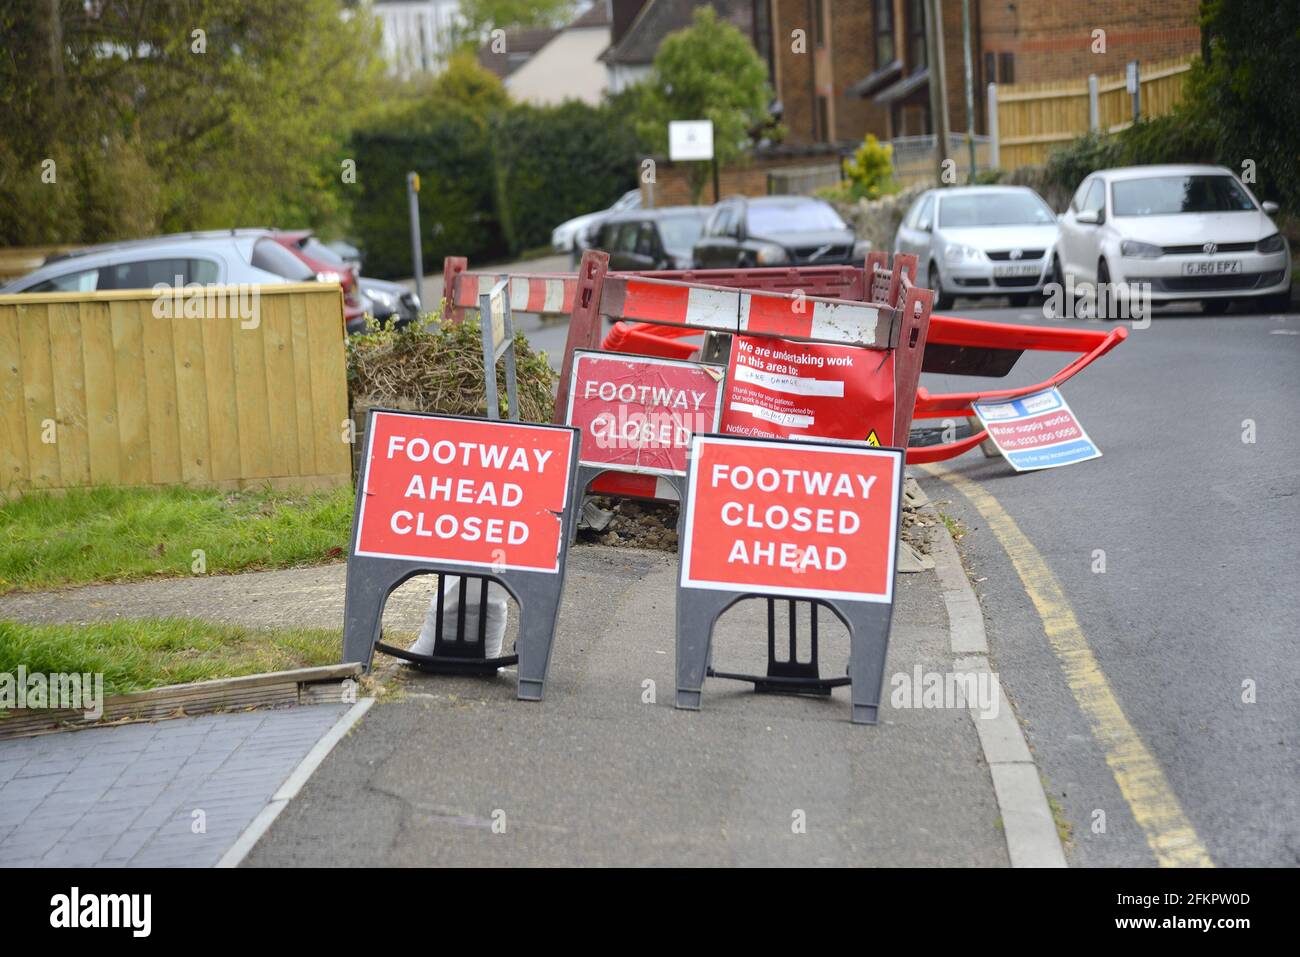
125, 388
1027, 120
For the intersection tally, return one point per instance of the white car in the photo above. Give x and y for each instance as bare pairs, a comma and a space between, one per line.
1190, 232
226, 257
575, 235
979, 241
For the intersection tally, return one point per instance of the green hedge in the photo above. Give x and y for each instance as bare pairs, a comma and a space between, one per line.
490, 185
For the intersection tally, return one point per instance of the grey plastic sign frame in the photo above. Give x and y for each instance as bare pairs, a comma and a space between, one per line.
868, 617
372, 578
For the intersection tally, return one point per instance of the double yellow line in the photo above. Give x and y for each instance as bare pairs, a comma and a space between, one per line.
1137, 772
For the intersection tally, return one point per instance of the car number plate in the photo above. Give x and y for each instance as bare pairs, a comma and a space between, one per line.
1020, 270
1217, 267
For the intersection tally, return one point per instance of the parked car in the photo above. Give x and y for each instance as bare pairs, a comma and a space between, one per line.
328, 267
652, 238
1192, 232
775, 231
223, 257
577, 234
388, 302
980, 241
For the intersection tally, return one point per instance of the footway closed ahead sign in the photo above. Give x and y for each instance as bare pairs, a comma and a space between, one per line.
794, 519
464, 491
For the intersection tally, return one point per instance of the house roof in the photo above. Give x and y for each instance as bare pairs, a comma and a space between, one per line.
519, 46
597, 15
658, 18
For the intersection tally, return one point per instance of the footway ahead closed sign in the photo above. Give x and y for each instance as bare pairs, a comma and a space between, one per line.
463, 496
790, 519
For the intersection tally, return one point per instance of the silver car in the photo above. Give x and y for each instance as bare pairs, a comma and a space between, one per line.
224, 257
980, 241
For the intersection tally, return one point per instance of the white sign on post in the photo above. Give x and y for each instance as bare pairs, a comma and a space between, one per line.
690, 140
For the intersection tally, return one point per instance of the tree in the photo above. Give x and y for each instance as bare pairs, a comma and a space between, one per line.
212, 113
1246, 90
707, 71
480, 17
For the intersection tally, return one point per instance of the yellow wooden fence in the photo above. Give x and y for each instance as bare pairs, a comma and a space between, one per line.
1031, 118
130, 388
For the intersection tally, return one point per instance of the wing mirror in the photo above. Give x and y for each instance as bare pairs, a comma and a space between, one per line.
1269, 207
1088, 216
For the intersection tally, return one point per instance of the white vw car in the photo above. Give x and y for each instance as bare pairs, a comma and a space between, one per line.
1190, 232
980, 241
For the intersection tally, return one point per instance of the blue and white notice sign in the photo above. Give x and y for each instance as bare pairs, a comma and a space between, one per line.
1036, 431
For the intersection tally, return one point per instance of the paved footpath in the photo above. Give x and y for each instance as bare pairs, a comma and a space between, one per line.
597, 775
174, 793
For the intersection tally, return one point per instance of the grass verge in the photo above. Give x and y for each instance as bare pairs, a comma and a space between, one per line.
118, 534
137, 654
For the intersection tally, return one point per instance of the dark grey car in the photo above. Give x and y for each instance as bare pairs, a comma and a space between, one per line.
776, 231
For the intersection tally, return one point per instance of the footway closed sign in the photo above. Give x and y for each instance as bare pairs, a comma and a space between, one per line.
803, 519
464, 491
637, 413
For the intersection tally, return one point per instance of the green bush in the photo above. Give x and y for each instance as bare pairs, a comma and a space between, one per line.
870, 173
491, 183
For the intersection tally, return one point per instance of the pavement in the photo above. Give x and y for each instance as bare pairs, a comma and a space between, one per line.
174, 793
605, 771
1194, 609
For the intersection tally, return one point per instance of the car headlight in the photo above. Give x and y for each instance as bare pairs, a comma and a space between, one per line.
770, 254
861, 248
957, 253
380, 299
329, 277
1136, 250
1271, 244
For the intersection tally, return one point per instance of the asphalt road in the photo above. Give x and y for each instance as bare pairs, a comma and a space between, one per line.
1201, 534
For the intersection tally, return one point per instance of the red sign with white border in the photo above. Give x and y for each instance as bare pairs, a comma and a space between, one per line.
638, 413
469, 492
777, 388
803, 519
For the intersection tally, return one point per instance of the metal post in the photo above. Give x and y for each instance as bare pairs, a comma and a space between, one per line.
1094, 104
715, 178
413, 200
995, 156
970, 85
938, 87
1135, 90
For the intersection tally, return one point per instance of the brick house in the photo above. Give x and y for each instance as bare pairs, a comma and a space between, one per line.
865, 69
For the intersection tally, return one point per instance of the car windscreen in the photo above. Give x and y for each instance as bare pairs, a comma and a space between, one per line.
993, 209
318, 250
274, 258
764, 219
1169, 195
680, 232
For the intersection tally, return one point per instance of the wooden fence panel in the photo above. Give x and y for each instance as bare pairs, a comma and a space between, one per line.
111, 388
1034, 118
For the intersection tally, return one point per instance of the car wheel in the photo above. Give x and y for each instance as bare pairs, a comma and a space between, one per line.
1103, 280
1019, 301
1215, 307
941, 299
1279, 302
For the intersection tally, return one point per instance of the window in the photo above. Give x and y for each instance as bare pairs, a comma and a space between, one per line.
1076, 203
994, 209
923, 216
270, 256
645, 240
792, 215
626, 241
819, 22
916, 34
883, 22
991, 67
724, 224
823, 119
147, 273
1095, 201
1170, 195
680, 231
84, 281
1006, 68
